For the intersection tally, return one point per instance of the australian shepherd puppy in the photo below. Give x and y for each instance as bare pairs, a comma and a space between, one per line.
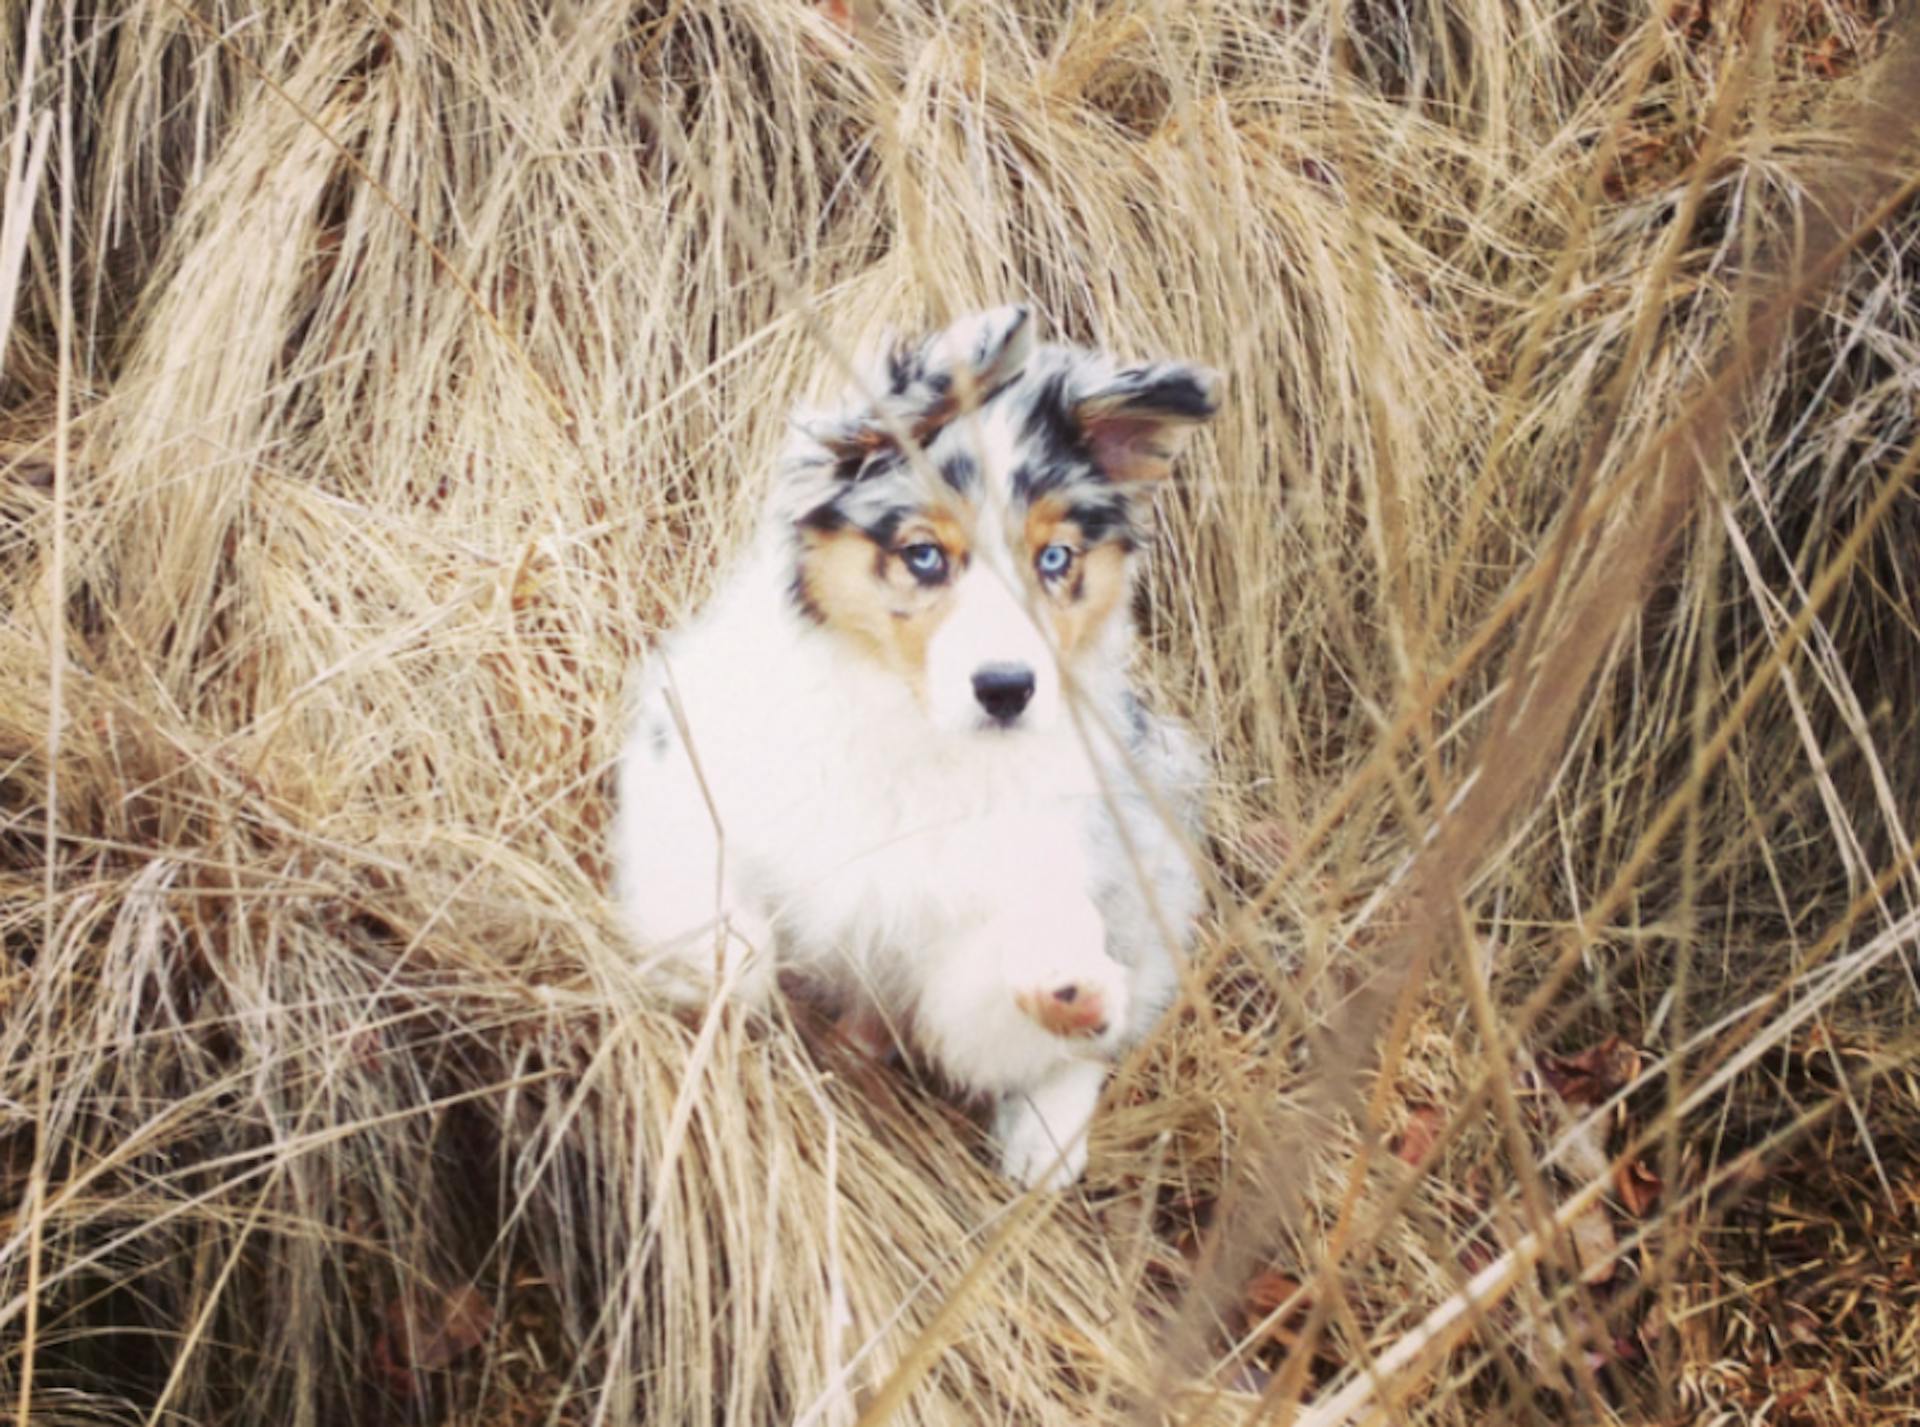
898, 758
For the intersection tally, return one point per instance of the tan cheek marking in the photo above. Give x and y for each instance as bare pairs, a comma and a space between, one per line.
838, 574
1096, 585
911, 633
868, 596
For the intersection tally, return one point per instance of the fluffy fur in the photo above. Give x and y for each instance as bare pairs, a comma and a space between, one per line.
898, 759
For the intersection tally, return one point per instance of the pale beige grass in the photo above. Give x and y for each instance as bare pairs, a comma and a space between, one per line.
1545, 591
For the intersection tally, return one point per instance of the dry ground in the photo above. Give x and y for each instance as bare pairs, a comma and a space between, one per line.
380, 376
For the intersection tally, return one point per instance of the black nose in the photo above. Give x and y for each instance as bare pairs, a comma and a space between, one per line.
1003, 689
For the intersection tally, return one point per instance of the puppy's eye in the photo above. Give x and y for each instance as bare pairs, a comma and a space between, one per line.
1053, 561
926, 561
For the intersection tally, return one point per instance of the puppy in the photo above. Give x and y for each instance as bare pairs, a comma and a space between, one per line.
898, 757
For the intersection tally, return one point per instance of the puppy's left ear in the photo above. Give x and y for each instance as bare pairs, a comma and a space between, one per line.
1137, 422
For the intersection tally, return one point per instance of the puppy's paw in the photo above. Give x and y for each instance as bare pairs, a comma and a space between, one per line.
1042, 1128
1079, 1004
1030, 1153
1075, 1010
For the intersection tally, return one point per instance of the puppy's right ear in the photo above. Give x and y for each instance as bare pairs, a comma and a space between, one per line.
913, 390
1137, 421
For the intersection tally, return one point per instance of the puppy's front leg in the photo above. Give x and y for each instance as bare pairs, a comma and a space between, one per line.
1042, 1130
1028, 1007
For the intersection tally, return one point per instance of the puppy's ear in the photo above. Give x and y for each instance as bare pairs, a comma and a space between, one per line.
981, 351
919, 387
1137, 421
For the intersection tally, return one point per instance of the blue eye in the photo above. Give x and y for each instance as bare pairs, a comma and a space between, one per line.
927, 561
1053, 561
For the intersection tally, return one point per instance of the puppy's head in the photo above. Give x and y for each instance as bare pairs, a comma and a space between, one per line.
969, 517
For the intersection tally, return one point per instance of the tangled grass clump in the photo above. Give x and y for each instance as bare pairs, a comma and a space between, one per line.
377, 381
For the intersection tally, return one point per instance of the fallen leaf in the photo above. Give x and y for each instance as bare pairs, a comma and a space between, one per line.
1593, 1075
1269, 1290
1265, 1294
1639, 1187
1585, 1156
1594, 1244
428, 1331
1413, 1144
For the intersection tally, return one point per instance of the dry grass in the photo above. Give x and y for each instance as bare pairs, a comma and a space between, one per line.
379, 378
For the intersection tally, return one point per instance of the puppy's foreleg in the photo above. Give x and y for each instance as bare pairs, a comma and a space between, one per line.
1042, 1130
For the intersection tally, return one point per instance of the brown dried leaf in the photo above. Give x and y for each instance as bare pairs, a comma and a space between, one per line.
1594, 1074
1594, 1244
1585, 1156
1416, 1141
1269, 1290
427, 1332
1638, 1186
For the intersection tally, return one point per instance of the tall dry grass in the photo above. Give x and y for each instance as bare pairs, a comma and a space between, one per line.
378, 380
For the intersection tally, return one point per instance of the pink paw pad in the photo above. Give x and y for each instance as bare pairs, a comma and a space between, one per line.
1072, 1009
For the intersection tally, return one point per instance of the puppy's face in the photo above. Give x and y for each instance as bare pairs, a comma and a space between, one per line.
999, 554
